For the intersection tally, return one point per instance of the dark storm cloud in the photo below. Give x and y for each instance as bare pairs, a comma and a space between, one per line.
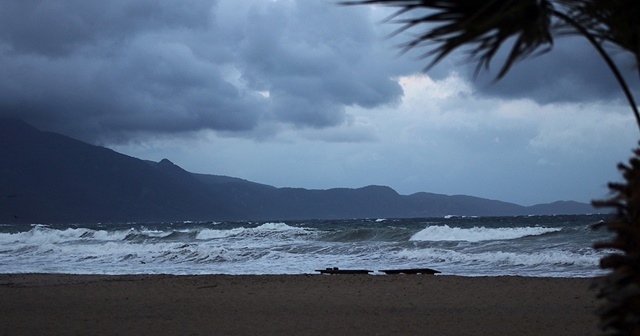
105, 71
314, 59
56, 28
571, 72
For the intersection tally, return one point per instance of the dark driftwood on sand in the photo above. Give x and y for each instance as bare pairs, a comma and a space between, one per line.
411, 271
335, 270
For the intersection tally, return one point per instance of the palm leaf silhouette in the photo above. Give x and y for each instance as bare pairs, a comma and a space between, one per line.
483, 27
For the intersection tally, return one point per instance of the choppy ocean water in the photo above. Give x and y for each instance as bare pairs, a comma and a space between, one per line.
557, 246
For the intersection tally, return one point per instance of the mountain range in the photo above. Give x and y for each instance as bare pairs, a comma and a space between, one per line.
50, 178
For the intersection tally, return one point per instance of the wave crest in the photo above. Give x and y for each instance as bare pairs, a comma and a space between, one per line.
276, 230
476, 234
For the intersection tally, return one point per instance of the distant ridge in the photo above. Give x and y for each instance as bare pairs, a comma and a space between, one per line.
50, 178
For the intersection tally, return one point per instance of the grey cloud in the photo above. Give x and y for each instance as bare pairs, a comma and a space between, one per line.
318, 54
571, 72
57, 28
146, 86
107, 71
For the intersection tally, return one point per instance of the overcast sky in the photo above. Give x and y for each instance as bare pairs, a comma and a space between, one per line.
310, 94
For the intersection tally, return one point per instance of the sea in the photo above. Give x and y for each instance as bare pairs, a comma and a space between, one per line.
538, 246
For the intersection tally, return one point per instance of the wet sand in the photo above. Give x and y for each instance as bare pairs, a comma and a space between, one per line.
58, 304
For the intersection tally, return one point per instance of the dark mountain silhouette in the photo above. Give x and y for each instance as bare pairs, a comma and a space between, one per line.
48, 178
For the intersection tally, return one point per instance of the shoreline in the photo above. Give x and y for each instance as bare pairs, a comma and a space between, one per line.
305, 304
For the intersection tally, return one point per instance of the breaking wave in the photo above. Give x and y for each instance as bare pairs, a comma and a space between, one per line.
477, 234
544, 246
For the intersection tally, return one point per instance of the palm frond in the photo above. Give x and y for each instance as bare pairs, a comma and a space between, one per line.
615, 21
481, 26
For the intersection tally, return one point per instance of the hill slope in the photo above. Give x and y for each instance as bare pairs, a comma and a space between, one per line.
47, 178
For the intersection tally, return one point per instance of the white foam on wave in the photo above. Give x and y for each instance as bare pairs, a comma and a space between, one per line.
276, 230
500, 258
257, 248
207, 234
242, 255
476, 234
42, 235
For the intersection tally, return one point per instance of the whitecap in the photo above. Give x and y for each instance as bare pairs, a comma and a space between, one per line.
476, 234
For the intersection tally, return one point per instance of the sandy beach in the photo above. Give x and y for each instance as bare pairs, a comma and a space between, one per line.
60, 304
